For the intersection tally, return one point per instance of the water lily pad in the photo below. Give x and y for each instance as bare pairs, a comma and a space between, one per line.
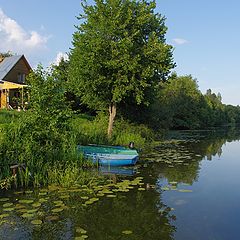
100, 194
27, 215
184, 190
41, 200
7, 205
19, 206
37, 204
84, 197
58, 202
4, 215
8, 209
106, 191
4, 199
52, 218
111, 196
94, 199
141, 189
36, 222
79, 238
56, 210
26, 201
81, 230
43, 193
84, 236
127, 232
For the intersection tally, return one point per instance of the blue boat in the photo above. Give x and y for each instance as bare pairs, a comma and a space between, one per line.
110, 155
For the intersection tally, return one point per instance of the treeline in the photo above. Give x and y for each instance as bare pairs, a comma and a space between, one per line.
179, 104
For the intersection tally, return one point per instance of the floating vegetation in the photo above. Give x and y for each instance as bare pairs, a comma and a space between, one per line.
56, 210
81, 230
7, 204
55, 200
4, 199
43, 193
32, 210
36, 222
8, 209
26, 201
4, 215
37, 204
27, 215
184, 190
111, 196
127, 232
52, 218
81, 237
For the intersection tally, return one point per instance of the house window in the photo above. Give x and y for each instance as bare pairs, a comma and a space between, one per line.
21, 77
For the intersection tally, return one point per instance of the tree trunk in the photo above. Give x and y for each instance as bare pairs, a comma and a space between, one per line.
112, 114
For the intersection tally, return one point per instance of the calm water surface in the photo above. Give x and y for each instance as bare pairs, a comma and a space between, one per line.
187, 189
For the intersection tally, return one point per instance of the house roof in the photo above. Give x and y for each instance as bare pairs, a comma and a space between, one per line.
8, 63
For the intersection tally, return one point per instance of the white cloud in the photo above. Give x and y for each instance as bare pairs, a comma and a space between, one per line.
17, 40
180, 41
59, 57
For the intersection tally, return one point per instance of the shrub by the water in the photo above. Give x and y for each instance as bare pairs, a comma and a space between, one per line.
41, 138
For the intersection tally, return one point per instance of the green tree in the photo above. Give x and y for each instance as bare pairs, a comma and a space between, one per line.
119, 51
42, 134
180, 104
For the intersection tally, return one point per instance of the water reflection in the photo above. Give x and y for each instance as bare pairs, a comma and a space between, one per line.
199, 188
122, 171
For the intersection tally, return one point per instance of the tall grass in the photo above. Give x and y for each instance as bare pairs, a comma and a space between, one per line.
95, 131
49, 150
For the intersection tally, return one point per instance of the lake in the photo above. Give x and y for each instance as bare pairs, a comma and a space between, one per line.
186, 188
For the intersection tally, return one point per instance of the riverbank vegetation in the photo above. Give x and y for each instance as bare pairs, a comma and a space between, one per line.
43, 140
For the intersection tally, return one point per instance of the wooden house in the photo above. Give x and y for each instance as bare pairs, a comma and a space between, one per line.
13, 72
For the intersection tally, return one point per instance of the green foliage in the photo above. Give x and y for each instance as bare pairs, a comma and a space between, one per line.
180, 103
119, 51
41, 137
92, 130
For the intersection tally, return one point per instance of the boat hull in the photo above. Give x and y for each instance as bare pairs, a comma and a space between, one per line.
110, 156
113, 160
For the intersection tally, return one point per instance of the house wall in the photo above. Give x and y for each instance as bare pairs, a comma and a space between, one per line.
19, 68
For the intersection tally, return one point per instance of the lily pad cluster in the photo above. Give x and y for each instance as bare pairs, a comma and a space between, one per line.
173, 154
49, 205
173, 186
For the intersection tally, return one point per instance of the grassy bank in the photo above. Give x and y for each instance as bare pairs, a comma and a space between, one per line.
47, 148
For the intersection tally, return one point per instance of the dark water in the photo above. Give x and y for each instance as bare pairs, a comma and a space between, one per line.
188, 189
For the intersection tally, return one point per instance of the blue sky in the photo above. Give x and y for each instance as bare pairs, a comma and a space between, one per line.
205, 35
